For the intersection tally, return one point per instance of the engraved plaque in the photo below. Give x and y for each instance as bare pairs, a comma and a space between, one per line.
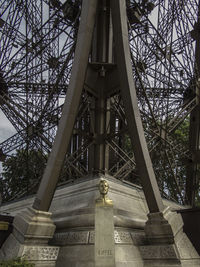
104, 237
122, 237
69, 238
40, 253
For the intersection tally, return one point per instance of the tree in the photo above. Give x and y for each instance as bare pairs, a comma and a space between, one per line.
170, 165
22, 174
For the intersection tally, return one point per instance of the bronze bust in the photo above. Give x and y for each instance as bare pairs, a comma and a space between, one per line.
103, 189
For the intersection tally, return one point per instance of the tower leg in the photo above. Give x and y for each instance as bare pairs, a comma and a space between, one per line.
33, 227
164, 229
129, 97
70, 109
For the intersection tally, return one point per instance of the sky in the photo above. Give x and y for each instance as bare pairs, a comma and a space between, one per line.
6, 128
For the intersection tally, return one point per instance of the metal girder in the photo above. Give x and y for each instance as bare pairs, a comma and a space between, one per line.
51, 174
25, 66
37, 74
128, 92
193, 179
55, 161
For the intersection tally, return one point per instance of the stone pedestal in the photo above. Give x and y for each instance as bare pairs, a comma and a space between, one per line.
104, 230
75, 223
167, 244
73, 212
104, 237
32, 230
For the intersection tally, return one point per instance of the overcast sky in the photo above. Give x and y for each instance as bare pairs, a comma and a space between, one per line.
6, 128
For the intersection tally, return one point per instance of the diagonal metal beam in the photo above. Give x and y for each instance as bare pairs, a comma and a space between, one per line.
128, 92
122, 54
70, 109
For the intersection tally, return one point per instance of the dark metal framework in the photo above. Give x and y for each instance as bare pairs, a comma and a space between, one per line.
37, 45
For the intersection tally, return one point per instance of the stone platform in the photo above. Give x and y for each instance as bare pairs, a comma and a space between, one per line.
73, 212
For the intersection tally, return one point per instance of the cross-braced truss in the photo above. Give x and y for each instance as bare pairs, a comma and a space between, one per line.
37, 45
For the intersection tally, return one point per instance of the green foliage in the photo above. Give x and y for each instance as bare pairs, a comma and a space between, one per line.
182, 132
16, 262
128, 148
22, 173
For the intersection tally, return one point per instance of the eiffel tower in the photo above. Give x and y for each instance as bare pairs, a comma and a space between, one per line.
107, 67
102, 77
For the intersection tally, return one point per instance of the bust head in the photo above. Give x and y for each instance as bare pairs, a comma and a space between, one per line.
103, 187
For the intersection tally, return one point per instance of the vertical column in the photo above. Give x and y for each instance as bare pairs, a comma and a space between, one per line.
103, 32
102, 55
107, 130
100, 109
104, 229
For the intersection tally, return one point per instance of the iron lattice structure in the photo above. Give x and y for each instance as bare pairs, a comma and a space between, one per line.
38, 40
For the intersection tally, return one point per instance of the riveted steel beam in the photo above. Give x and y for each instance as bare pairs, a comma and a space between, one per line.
51, 174
122, 55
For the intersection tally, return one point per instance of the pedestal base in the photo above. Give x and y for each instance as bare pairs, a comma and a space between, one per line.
104, 236
167, 244
32, 230
81, 243
73, 212
75, 231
